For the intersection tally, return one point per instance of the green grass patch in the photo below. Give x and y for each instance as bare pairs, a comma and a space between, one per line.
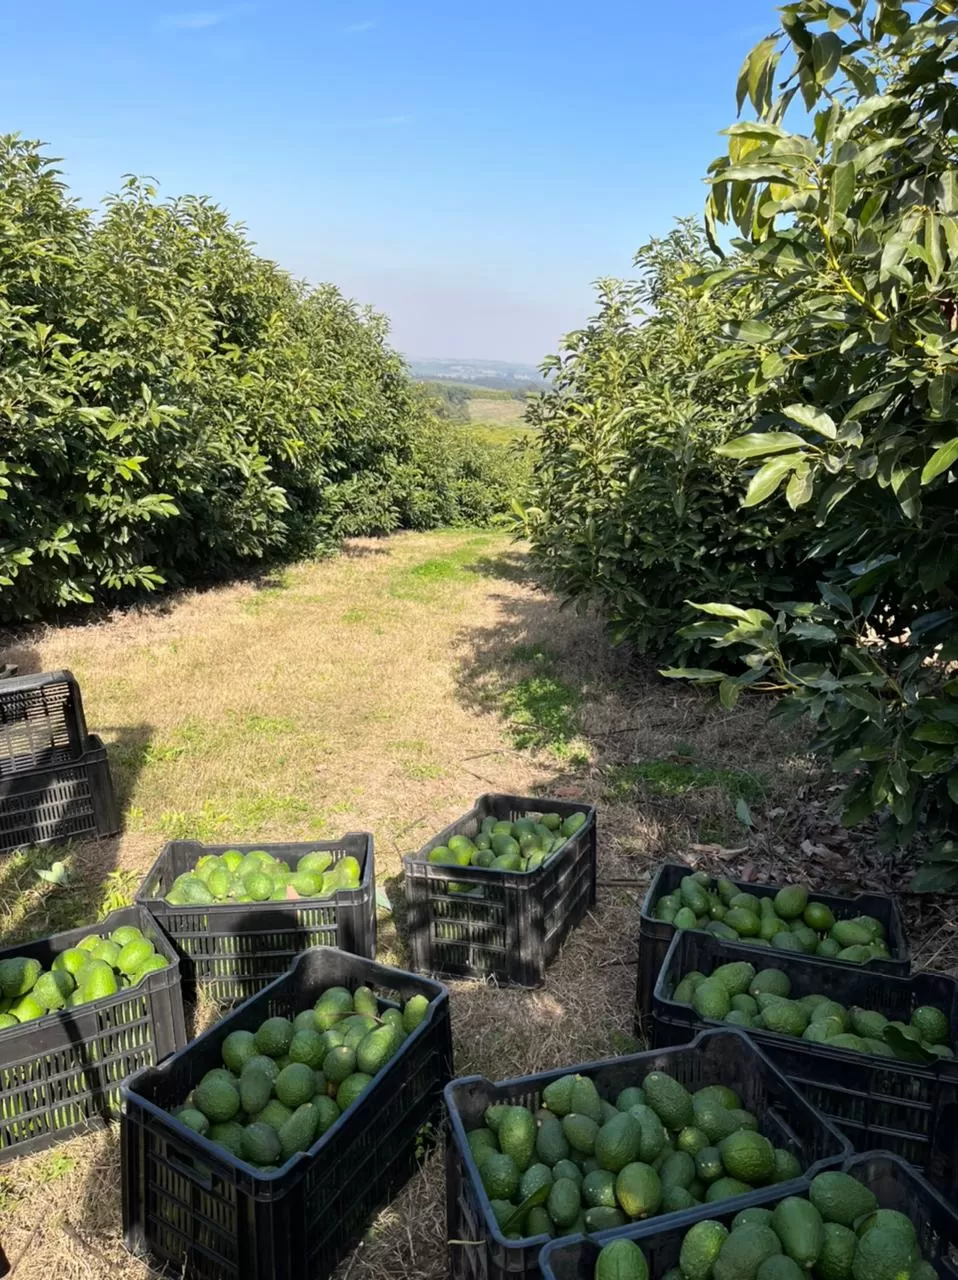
543, 709
670, 778
422, 582
499, 433
232, 820
543, 713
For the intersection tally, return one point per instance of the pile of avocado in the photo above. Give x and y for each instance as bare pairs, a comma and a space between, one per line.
838, 1233
523, 845
787, 922
259, 876
761, 1001
96, 967
282, 1086
582, 1164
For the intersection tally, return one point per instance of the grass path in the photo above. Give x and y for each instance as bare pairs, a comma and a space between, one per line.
382, 690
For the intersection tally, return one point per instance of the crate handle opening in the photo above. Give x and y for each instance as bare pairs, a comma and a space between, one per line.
201, 1175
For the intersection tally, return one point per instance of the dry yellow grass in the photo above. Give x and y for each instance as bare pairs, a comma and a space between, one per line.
366, 692
498, 411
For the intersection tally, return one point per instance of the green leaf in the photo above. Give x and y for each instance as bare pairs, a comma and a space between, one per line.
759, 443
902, 1045
936, 731
729, 693
807, 415
515, 1220
382, 899
702, 675
941, 460
752, 616
812, 631
752, 332
842, 190
756, 74
768, 477
743, 812
939, 877
826, 53
801, 487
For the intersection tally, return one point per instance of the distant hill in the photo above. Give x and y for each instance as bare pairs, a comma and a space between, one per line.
497, 375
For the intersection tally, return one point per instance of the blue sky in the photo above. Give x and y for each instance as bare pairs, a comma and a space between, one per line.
469, 168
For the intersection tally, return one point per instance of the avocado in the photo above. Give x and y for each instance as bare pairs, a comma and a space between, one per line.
701, 1245
598, 1188
725, 1189
580, 1133
799, 1226
618, 1142
670, 1101
849, 933
884, 1254
780, 1268
736, 977
748, 1156
499, 1175
551, 1143
563, 1204
299, 1131
745, 923
743, 1252
838, 1253
791, 901
638, 1190
654, 1139
711, 999
621, 1260
533, 1179
693, 896
517, 1135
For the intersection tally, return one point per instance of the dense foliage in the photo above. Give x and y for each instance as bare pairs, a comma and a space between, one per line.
634, 512
172, 405
845, 368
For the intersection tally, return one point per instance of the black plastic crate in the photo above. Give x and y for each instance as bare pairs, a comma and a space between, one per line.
895, 1185
879, 1103
60, 1074
62, 802
477, 1248
231, 950
195, 1210
503, 924
655, 935
41, 722
55, 781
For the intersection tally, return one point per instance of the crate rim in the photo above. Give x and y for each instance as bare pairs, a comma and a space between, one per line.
459, 1132
184, 1132
940, 1066
443, 871
610, 1234
118, 997
340, 897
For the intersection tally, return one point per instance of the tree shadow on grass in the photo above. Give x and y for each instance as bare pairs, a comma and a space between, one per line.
508, 566
668, 766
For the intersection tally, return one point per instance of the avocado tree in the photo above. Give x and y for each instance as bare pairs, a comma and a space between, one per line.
848, 224
633, 512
